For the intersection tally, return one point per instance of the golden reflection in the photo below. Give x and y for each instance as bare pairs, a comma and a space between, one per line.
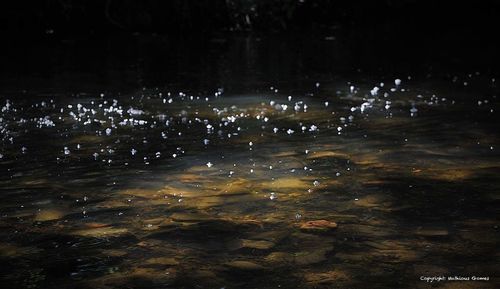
327, 154
287, 184
100, 232
48, 215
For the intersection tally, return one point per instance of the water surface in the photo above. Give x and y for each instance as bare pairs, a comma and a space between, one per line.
206, 179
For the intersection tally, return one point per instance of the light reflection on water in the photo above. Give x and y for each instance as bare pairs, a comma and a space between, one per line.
411, 195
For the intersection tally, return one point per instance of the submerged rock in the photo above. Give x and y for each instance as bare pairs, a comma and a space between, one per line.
327, 154
244, 265
279, 258
48, 215
368, 231
200, 232
274, 236
432, 232
313, 256
251, 244
306, 257
318, 226
190, 217
162, 261
14, 251
135, 277
114, 252
101, 232
329, 277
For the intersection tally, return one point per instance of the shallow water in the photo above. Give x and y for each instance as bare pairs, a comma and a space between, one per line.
208, 187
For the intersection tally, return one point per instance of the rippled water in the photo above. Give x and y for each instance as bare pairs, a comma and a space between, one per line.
211, 188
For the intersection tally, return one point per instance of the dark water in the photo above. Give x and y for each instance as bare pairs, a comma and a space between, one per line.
152, 164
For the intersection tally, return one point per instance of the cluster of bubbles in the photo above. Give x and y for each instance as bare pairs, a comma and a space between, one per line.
172, 117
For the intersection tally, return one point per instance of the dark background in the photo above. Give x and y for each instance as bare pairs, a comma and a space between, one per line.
49, 38
202, 17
